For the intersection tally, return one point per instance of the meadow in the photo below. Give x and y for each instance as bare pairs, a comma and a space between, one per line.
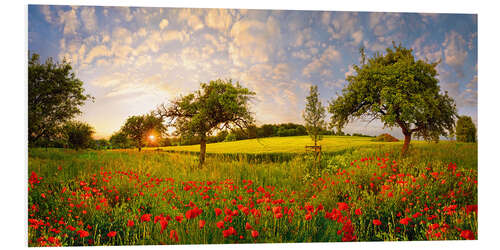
290, 144
361, 191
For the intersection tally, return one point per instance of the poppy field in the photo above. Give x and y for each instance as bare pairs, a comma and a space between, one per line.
372, 193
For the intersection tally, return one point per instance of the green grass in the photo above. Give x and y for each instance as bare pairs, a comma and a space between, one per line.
422, 182
292, 144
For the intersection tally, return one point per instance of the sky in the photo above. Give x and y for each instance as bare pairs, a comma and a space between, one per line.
133, 59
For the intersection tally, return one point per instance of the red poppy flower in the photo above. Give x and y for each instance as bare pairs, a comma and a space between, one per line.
358, 211
377, 222
146, 217
342, 206
173, 235
255, 234
82, 233
308, 216
130, 223
179, 218
467, 234
248, 226
218, 211
220, 224
112, 234
201, 223
405, 221
164, 224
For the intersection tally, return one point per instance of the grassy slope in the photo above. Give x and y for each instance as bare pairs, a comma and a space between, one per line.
293, 144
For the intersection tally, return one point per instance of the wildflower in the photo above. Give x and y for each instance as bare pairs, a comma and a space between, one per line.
146, 217
255, 234
467, 234
201, 223
179, 218
377, 222
308, 216
358, 211
405, 221
220, 224
173, 235
342, 206
112, 234
218, 211
248, 226
82, 233
130, 223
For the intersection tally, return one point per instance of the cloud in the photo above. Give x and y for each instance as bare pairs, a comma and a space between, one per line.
329, 55
469, 96
343, 24
302, 36
89, 19
453, 88
219, 44
151, 43
357, 37
96, 52
219, 19
253, 41
281, 71
47, 14
455, 51
302, 54
384, 23
167, 61
122, 35
163, 24
191, 16
337, 84
124, 12
69, 21
173, 35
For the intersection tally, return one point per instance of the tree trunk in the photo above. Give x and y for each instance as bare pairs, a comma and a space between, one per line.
407, 143
139, 148
203, 149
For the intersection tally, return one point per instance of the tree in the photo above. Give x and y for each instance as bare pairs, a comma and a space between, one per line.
54, 97
314, 115
466, 130
78, 134
140, 127
399, 91
119, 140
218, 105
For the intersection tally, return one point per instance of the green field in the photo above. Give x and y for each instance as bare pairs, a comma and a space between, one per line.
365, 191
292, 144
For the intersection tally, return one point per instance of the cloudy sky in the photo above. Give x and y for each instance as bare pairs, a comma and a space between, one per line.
132, 59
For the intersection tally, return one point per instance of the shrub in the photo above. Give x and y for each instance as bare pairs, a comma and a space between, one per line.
386, 138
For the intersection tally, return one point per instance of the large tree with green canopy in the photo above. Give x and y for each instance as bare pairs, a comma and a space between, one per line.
218, 105
400, 91
55, 95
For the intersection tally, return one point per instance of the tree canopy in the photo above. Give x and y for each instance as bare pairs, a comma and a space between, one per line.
138, 128
54, 97
400, 91
78, 134
466, 130
314, 115
218, 105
